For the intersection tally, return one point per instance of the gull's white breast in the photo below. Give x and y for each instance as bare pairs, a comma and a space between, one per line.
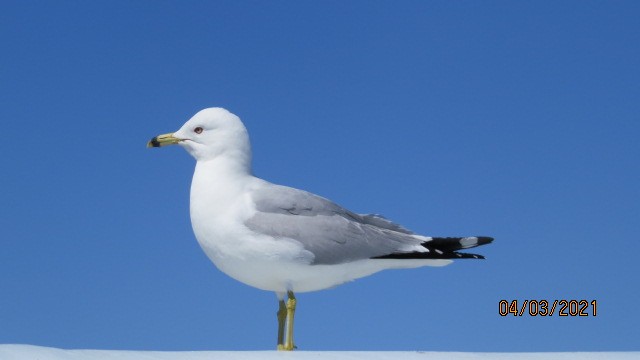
220, 204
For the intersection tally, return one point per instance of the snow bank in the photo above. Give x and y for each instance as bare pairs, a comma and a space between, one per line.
29, 352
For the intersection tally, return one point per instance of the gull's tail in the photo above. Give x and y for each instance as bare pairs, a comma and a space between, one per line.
444, 248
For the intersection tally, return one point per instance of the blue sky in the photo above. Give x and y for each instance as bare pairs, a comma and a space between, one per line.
518, 120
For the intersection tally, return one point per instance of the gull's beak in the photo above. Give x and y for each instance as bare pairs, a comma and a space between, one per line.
163, 140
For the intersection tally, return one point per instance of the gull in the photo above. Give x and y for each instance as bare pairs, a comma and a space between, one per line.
285, 240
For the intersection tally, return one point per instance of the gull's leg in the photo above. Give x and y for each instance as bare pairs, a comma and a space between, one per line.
291, 310
282, 316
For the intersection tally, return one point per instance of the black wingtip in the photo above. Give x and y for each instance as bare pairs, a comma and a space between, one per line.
482, 240
449, 244
444, 248
431, 255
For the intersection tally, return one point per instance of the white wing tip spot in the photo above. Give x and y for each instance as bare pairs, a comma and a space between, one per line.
468, 242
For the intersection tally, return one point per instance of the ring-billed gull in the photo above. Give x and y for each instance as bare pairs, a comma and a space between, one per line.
282, 239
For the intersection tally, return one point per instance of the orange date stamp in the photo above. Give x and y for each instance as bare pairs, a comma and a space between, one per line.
548, 308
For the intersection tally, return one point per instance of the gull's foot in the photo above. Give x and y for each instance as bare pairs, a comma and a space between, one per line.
286, 348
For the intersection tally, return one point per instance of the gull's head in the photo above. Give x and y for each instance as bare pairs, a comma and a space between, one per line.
209, 134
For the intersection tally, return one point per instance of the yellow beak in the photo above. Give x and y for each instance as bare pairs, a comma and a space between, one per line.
163, 140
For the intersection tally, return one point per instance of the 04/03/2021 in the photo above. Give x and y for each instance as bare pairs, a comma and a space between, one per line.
548, 308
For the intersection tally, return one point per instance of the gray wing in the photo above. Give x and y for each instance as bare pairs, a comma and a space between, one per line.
332, 233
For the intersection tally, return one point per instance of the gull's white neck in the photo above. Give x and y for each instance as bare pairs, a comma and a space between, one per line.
217, 183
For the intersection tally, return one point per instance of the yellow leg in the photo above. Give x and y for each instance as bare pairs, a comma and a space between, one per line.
282, 317
291, 310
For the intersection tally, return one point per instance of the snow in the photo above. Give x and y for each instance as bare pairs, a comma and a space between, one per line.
30, 352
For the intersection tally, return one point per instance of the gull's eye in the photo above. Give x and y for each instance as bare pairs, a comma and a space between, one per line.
198, 130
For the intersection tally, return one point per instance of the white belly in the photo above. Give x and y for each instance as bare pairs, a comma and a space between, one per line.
282, 265
282, 277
